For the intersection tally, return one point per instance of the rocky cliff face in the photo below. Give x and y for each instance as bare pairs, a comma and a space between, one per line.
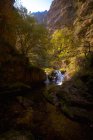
83, 24
78, 13
61, 13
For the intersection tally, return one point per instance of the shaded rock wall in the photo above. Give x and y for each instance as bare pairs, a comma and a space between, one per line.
7, 21
13, 66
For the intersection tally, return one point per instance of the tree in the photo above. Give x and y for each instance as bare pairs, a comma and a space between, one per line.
41, 47
63, 44
32, 39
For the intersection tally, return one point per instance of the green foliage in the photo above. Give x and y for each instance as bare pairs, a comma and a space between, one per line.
19, 29
33, 39
63, 44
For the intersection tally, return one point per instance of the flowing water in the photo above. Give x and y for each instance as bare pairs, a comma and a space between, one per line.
27, 115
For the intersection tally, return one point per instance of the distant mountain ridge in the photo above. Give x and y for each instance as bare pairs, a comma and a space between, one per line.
40, 16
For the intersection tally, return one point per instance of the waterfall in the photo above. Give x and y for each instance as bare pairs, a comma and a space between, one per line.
59, 78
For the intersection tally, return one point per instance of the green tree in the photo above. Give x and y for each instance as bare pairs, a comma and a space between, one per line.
41, 47
32, 39
63, 44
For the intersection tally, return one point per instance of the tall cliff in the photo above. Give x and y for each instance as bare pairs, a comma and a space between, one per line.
83, 24
80, 18
76, 13
61, 13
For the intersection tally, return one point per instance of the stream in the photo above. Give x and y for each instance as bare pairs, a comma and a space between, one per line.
27, 115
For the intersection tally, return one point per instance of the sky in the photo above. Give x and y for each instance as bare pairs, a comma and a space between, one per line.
36, 5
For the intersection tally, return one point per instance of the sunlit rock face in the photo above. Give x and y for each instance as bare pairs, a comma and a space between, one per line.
76, 13
83, 24
61, 14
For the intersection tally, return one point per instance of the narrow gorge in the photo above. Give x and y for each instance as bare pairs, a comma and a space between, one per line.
34, 46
